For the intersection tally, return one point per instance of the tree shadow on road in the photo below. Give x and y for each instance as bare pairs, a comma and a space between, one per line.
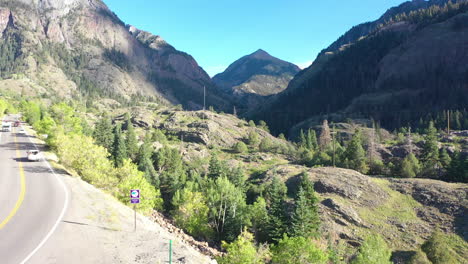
84, 224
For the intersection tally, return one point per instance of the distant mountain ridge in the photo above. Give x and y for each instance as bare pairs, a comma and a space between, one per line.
408, 67
255, 76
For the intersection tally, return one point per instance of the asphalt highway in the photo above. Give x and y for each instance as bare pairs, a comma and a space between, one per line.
33, 199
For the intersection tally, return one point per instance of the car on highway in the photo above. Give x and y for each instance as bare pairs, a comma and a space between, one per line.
21, 131
6, 127
34, 155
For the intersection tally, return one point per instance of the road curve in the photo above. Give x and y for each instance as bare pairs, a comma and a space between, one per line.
32, 200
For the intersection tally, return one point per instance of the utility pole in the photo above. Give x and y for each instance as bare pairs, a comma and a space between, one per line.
448, 122
204, 97
333, 142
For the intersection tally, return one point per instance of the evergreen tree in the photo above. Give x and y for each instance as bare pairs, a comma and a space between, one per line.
444, 158
253, 138
119, 150
237, 177
458, 168
259, 219
325, 136
430, 151
311, 142
302, 139
275, 196
216, 168
172, 175
410, 166
305, 219
355, 154
103, 133
131, 141
145, 164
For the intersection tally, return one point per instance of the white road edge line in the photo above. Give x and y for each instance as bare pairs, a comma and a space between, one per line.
65, 206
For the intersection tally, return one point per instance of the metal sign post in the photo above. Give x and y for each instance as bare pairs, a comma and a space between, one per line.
134, 199
170, 251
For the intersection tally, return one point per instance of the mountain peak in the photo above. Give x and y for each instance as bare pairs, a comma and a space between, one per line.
261, 54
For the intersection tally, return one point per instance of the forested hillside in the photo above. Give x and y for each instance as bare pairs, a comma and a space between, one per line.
406, 72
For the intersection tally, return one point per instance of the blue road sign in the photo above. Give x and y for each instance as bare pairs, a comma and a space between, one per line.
135, 200
135, 193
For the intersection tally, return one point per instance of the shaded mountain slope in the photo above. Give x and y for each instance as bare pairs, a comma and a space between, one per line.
410, 67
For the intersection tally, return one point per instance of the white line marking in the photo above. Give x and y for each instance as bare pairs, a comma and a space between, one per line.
65, 205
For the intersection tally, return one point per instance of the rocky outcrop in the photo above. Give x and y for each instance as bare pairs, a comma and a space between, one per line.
167, 224
345, 212
5, 19
445, 203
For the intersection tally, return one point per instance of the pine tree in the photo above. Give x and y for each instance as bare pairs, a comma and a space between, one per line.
311, 140
131, 141
216, 168
430, 151
444, 158
119, 150
103, 133
302, 139
458, 168
305, 220
410, 166
325, 136
145, 163
275, 196
355, 154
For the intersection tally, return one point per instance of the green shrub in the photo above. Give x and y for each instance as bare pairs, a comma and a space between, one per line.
437, 249
131, 178
242, 251
419, 258
374, 250
240, 147
297, 250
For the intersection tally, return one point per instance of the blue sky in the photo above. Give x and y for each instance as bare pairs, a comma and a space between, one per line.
218, 32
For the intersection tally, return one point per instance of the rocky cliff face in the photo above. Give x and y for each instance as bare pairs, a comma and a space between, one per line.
95, 52
255, 76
